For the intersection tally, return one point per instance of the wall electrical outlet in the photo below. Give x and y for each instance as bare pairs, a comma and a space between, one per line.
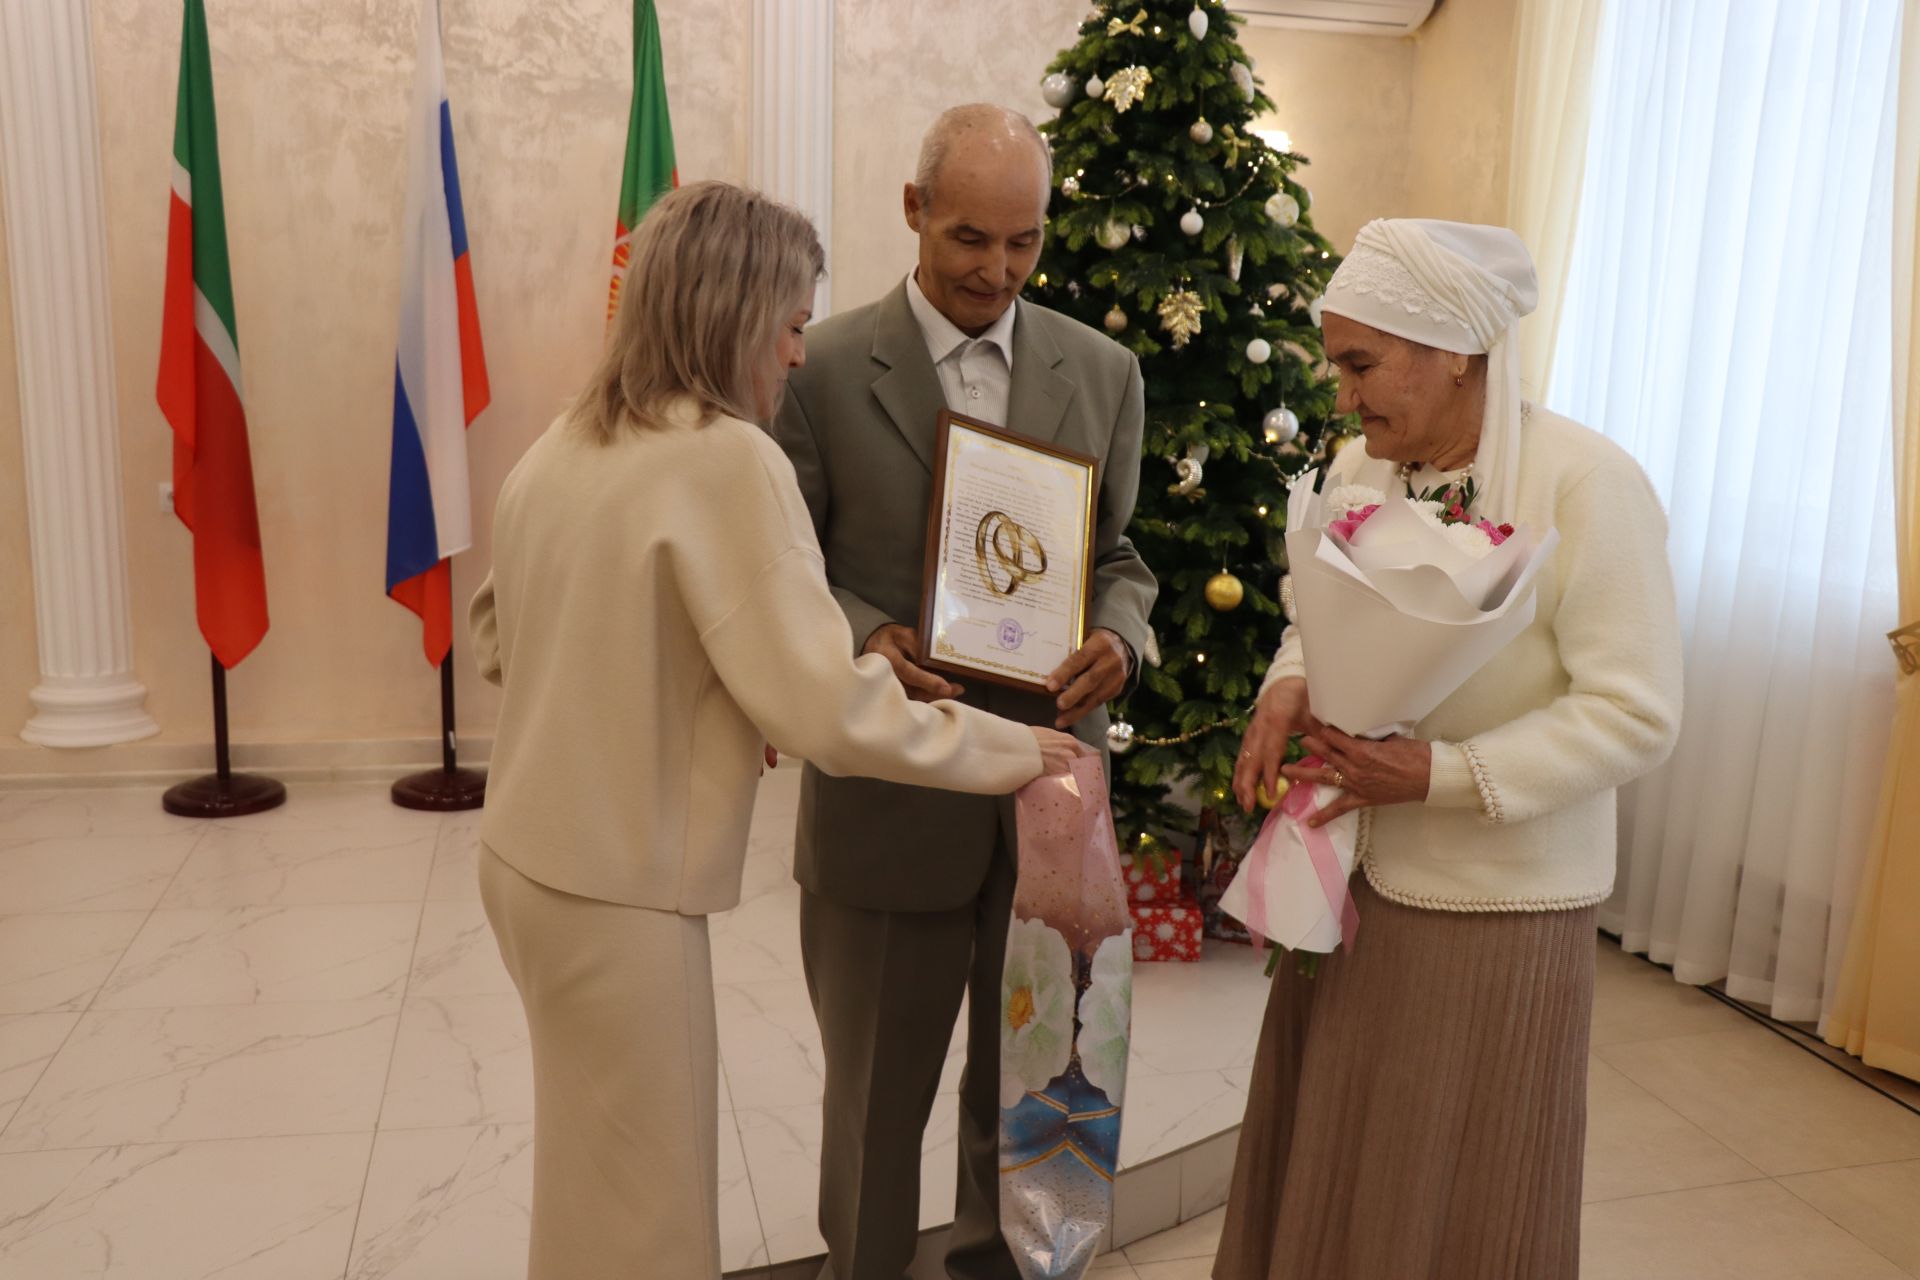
166, 497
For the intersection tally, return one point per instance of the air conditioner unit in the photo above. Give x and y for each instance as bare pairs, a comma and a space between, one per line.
1358, 17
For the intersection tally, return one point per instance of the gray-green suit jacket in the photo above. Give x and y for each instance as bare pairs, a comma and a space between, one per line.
860, 423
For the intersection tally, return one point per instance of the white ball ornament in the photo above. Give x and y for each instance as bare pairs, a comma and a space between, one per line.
1192, 223
1283, 208
1096, 88
1058, 89
1259, 351
1197, 23
1281, 425
1113, 235
1201, 132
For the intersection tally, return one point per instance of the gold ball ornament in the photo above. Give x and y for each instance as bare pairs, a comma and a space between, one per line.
1116, 321
1341, 444
1280, 788
1225, 592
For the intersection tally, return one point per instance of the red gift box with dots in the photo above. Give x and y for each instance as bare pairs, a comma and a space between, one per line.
1166, 930
1144, 886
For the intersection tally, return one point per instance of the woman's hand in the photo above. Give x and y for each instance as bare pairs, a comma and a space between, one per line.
1059, 750
1369, 774
1281, 713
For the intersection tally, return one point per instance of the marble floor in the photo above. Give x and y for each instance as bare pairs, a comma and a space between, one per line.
283, 1047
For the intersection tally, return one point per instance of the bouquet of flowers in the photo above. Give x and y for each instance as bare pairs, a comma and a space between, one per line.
1400, 600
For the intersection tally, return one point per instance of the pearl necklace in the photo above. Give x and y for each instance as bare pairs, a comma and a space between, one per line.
1407, 470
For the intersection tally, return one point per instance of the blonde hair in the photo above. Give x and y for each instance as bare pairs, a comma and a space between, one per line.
713, 267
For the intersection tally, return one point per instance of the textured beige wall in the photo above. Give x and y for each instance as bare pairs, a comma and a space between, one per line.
312, 101
1344, 100
1461, 131
312, 98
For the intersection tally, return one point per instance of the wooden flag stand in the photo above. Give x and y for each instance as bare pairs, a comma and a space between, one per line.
449, 787
223, 793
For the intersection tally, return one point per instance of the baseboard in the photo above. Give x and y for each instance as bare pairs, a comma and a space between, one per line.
164, 763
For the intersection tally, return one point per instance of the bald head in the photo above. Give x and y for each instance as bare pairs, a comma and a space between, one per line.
979, 205
983, 139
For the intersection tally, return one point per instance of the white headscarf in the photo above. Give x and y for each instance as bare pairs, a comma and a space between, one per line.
1459, 287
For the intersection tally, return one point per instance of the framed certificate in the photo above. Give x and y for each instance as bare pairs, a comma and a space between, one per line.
1009, 575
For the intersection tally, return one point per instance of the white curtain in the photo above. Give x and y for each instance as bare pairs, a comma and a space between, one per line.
1727, 320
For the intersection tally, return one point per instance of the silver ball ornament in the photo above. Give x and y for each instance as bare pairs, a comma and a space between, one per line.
1058, 89
1259, 351
1192, 223
1120, 737
1201, 132
1281, 425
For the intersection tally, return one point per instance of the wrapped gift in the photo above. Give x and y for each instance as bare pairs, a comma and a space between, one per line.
1166, 930
1152, 879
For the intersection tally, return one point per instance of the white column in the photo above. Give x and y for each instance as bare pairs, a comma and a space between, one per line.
69, 422
790, 156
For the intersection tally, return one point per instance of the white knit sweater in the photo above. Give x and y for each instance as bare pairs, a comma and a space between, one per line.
1527, 755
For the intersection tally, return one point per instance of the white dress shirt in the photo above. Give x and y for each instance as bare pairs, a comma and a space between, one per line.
976, 374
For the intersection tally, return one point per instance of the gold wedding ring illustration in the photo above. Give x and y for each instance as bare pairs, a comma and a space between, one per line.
1007, 553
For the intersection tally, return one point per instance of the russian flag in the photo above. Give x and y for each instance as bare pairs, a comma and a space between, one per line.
440, 372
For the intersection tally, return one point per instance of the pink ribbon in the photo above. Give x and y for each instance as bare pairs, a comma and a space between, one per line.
1298, 805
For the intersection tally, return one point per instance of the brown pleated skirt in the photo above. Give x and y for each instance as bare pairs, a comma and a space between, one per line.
1418, 1111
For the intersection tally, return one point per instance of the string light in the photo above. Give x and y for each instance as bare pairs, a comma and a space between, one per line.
1201, 659
1263, 511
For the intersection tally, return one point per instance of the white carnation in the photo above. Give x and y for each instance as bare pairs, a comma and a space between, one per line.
1349, 498
1433, 511
1468, 538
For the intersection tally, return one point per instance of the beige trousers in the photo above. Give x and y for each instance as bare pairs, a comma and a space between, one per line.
619, 1003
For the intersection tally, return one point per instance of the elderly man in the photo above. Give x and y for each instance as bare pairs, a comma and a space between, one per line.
908, 891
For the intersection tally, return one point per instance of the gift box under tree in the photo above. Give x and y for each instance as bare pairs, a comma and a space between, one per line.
1166, 930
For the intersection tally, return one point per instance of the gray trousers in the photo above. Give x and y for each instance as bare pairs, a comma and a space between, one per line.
886, 988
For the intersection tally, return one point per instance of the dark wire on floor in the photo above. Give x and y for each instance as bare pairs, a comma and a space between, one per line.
1785, 1030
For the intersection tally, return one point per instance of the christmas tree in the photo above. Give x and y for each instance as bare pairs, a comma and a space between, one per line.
1187, 237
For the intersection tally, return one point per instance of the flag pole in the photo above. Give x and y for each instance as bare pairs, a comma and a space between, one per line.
448, 788
223, 793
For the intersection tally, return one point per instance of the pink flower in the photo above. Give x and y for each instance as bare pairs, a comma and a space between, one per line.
1349, 524
1498, 533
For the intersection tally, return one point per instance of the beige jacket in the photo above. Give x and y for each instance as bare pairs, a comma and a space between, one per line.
1529, 752
657, 609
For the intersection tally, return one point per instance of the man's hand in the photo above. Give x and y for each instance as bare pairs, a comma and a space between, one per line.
1090, 679
900, 646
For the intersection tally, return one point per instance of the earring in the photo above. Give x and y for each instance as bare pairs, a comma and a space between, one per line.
1459, 381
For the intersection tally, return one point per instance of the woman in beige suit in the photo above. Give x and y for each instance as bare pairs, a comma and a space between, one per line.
658, 617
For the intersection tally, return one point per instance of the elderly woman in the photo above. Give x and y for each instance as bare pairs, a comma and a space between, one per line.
1418, 1109
657, 612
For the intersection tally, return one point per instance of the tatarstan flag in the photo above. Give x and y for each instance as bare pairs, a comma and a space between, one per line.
650, 168
199, 385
